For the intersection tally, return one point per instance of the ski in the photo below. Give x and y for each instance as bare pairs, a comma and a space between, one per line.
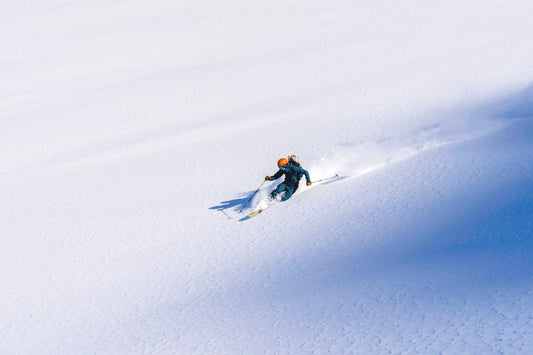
255, 213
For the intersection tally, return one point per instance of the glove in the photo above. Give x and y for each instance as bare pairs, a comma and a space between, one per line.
267, 178
309, 183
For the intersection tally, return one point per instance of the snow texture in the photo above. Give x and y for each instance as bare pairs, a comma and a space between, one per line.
132, 134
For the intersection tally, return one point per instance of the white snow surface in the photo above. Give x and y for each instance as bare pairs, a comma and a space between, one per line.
133, 132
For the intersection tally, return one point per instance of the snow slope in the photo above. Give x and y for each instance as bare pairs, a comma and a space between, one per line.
132, 133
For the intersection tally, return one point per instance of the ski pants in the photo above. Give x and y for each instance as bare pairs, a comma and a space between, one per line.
283, 187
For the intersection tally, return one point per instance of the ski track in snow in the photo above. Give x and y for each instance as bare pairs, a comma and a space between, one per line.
131, 136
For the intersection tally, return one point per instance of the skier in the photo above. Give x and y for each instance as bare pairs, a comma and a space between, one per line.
293, 174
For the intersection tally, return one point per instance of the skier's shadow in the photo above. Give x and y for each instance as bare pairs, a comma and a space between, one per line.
235, 204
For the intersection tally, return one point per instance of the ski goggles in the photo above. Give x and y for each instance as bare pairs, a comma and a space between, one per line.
283, 167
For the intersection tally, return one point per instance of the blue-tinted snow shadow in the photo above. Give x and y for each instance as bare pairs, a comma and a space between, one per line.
487, 241
427, 266
446, 269
489, 245
515, 106
468, 245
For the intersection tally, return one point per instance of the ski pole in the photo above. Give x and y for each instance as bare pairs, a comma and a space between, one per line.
252, 196
331, 177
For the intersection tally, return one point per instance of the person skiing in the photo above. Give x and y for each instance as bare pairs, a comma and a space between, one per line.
293, 173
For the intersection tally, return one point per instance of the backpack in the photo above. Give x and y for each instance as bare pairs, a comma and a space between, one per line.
294, 159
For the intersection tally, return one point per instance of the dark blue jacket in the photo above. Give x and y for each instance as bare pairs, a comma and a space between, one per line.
293, 174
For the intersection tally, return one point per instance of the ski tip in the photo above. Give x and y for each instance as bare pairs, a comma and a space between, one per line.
246, 218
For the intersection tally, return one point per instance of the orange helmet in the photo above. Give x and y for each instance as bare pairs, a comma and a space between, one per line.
282, 162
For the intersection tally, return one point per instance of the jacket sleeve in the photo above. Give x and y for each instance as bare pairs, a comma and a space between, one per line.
303, 171
276, 175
